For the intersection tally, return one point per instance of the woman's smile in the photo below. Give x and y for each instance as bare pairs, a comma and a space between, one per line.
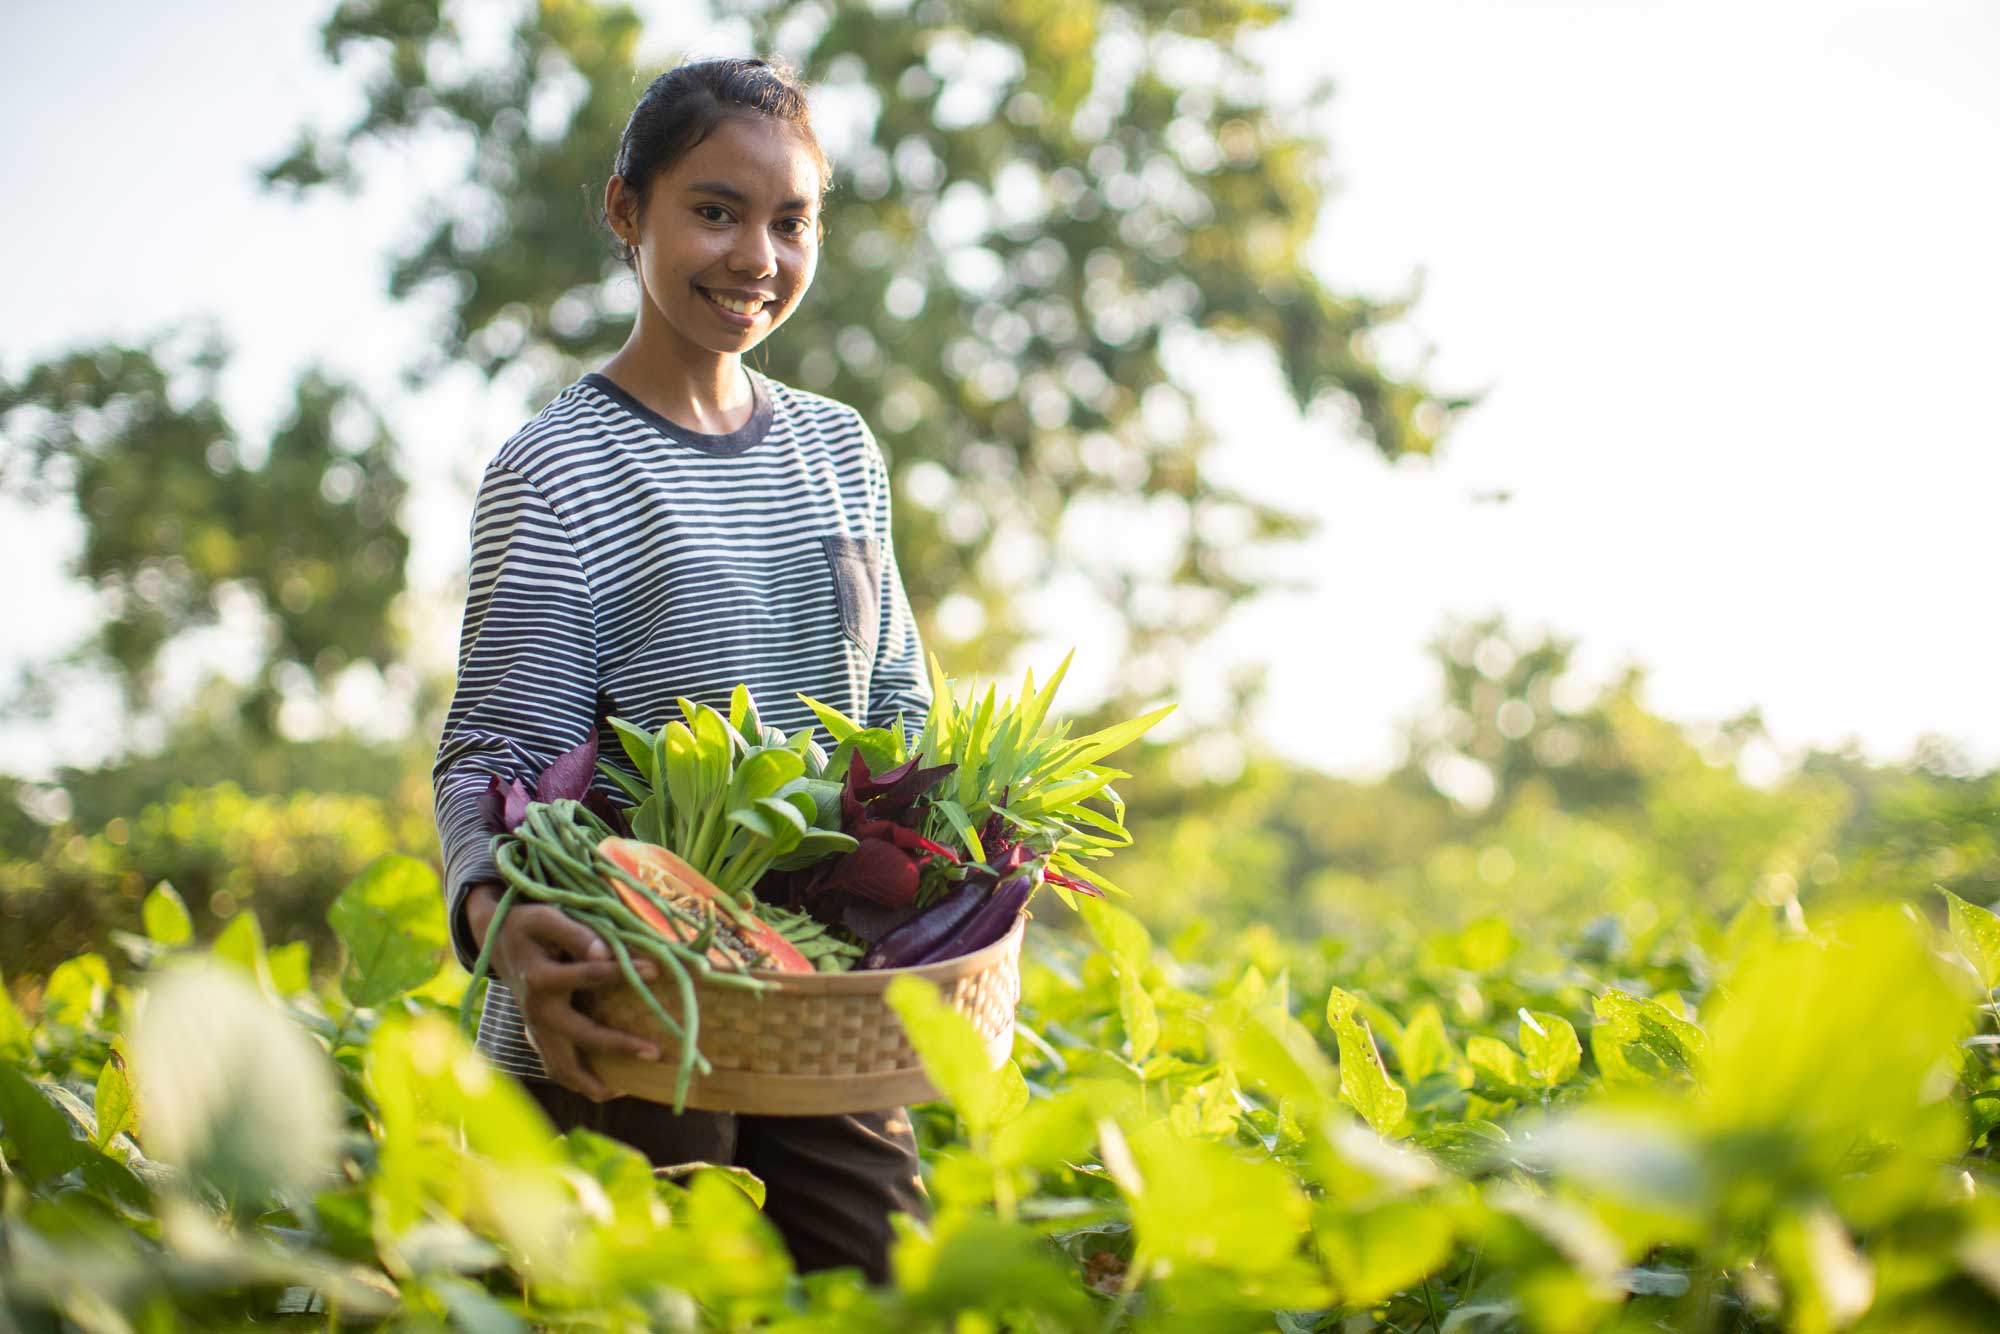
742, 309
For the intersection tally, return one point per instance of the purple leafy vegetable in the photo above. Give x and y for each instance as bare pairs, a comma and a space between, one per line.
567, 778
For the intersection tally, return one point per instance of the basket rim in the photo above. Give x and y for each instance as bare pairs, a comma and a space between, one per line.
871, 981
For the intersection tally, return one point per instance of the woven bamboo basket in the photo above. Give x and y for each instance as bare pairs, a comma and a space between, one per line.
812, 1044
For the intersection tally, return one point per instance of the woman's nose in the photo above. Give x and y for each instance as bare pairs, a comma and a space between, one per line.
753, 253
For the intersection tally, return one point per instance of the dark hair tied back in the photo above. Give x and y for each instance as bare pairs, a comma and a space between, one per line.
682, 107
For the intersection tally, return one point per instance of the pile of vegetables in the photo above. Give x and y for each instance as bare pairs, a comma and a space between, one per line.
744, 850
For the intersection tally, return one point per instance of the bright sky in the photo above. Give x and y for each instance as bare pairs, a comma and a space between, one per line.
1725, 270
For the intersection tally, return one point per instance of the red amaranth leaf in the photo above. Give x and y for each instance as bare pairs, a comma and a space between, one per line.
891, 793
513, 806
569, 774
876, 870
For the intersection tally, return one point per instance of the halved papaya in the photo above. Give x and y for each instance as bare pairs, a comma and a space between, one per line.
737, 943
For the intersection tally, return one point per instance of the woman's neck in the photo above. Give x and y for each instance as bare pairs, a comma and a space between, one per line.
710, 395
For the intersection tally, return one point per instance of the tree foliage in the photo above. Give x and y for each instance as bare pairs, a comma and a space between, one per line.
179, 510
1034, 204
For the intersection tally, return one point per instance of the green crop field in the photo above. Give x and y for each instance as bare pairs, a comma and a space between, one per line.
1536, 1076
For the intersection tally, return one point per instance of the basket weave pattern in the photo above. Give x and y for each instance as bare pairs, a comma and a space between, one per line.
817, 1042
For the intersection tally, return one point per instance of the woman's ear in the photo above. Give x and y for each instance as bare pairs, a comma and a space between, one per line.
620, 210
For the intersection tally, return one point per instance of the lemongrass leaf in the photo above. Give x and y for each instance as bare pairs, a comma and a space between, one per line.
838, 725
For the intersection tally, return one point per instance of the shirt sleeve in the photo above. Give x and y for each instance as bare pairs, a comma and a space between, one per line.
527, 675
901, 679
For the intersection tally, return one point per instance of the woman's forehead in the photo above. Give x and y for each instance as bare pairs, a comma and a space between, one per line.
757, 158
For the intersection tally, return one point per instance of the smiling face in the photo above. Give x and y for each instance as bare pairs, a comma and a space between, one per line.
727, 238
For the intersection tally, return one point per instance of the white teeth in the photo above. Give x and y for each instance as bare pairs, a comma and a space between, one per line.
730, 303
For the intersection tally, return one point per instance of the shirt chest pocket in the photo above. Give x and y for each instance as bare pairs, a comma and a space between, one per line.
856, 563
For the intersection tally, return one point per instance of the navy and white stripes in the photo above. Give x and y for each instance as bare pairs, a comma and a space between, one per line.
619, 562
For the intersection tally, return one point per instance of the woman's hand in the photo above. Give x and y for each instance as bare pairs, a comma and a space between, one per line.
544, 957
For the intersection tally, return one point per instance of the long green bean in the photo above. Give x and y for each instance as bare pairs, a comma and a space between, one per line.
553, 858
690, 1014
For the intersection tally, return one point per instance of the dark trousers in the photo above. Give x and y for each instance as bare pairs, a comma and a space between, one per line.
830, 1182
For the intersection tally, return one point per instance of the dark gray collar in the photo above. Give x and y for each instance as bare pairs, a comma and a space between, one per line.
735, 442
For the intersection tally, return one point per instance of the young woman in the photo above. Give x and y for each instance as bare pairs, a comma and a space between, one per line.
668, 526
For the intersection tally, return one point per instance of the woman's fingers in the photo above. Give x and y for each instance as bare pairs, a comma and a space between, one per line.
565, 1065
562, 978
580, 1030
549, 957
557, 932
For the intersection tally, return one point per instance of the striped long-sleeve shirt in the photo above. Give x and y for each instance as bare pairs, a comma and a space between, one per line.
620, 561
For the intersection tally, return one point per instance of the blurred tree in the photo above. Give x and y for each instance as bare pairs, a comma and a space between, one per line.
1507, 715
1033, 202
179, 513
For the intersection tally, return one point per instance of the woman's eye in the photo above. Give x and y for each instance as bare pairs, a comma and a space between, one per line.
795, 226
713, 213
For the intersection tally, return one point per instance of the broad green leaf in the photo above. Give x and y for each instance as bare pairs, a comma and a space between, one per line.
117, 1108
1122, 937
16, 1038
1340, 1006
649, 821
1637, 1040
755, 820
1426, 1048
1202, 1203
1365, 1083
1138, 1013
166, 916
1831, 1042
391, 920
742, 1178
786, 813
677, 755
504, 1167
1049, 1131
716, 743
1498, 1062
241, 943
639, 747
1977, 933
954, 1056
635, 790
231, 1089
1377, 1253
291, 967
969, 1264
721, 1250
1268, 1048
1548, 1042
43, 1147
764, 772
76, 991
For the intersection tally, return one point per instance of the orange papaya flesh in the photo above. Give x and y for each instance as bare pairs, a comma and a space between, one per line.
737, 943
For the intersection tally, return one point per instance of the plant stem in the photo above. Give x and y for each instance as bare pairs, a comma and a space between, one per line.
1430, 1304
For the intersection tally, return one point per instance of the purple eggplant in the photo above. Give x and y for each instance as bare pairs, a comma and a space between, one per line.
922, 933
993, 920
